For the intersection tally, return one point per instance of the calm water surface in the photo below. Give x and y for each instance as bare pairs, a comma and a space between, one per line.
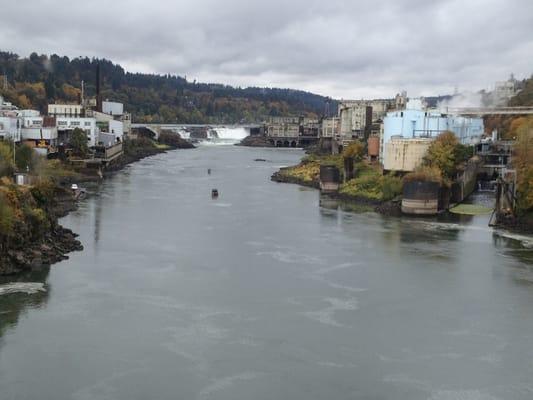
262, 294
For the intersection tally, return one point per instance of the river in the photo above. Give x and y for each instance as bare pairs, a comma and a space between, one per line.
262, 294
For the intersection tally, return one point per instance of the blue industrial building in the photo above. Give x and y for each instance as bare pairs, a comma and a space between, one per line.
417, 122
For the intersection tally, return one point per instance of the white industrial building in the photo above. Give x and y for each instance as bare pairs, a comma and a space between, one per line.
66, 110
112, 108
330, 127
355, 118
65, 126
10, 128
10, 123
37, 131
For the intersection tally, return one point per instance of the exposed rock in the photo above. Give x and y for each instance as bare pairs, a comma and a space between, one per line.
255, 141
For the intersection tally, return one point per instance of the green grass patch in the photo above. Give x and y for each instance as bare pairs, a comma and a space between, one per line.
470, 209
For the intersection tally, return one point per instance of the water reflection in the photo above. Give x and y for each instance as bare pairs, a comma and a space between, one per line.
16, 303
331, 203
263, 295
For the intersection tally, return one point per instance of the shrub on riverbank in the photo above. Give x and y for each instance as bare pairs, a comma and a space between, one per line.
7, 165
136, 147
523, 162
308, 171
426, 174
447, 155
371, 184
21, 218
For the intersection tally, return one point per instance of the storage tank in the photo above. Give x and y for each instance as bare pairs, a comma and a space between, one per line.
330, 178
373, 147
420, 198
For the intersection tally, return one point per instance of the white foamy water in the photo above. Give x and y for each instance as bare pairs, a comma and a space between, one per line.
525, 240
184, 134
231, 133
224, 136
22, 287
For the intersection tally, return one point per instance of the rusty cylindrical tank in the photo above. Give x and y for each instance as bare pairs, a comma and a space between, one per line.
420, 197
373, 146
330, 178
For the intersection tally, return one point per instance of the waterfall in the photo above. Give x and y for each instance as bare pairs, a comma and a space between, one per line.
237, 133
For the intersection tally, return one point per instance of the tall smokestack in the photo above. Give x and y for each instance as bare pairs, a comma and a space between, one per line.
98, 94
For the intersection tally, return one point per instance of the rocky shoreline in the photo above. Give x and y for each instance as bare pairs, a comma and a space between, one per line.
30, 252
255, 141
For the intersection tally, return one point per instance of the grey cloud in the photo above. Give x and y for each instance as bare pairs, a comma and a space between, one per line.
337, 48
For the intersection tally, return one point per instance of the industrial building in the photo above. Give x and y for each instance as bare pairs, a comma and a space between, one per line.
292, 131
10, 124
503, 91
355, 120
404, 155
416, 125
330, 127
359, 118
66, 110
37, 131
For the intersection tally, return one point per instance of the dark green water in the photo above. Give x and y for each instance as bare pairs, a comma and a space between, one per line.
262, 294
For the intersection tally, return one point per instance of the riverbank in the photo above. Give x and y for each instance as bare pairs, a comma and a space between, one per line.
30, 234
369, 189
391, 207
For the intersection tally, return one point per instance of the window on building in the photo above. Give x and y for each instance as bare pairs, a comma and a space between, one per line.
87, 123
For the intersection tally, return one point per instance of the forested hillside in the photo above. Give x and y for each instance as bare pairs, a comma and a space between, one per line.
37, 80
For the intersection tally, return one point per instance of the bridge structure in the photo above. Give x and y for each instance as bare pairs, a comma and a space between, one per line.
157, 128
483, 111
292, 141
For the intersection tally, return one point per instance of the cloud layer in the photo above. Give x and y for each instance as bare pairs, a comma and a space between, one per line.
344, 49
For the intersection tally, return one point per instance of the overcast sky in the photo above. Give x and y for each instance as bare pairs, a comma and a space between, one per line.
344, 49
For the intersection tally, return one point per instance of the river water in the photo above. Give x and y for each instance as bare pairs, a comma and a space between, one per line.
262, 294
